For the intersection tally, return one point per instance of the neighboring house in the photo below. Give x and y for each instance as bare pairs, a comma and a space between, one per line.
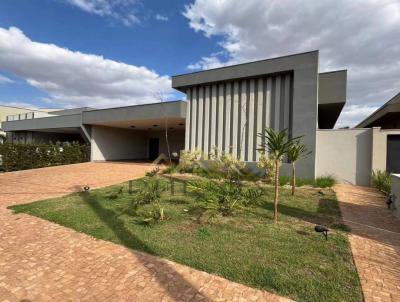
225, 110
11, 113
386, 117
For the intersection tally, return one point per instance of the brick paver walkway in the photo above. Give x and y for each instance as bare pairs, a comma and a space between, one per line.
42, 261
375, 241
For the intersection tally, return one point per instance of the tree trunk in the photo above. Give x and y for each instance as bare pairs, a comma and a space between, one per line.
293, 177
276, 191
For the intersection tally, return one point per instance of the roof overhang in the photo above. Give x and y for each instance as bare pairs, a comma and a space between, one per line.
392, 107
295, 63
140, 117
52, 123
332, 90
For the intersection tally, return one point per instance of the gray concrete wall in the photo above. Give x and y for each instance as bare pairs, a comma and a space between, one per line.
346, 154
176, 139
117, 144
304, 93
396, 192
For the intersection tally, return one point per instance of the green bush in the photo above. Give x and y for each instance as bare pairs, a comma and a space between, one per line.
15, 157
382, 181
223, 197
284, 180
325, 181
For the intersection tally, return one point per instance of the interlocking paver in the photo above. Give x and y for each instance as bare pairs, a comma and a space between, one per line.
374, 239
42, 261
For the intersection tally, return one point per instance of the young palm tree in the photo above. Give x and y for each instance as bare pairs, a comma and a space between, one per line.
277, 145
296, 151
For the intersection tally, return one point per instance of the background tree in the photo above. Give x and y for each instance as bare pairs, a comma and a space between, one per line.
277, 145
296, 151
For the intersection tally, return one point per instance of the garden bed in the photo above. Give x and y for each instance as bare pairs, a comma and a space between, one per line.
287, 258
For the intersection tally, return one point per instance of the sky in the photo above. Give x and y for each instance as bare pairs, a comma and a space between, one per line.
108, 53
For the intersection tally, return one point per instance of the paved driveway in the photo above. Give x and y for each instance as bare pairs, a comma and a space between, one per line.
374, 239
42, 261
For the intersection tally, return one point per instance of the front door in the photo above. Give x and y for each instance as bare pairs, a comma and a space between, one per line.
154, 144
393, 154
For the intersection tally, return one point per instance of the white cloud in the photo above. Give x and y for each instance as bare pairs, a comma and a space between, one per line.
362, 36
5, 80
18, 104
161, 17
353, 114
73, 78
121, 10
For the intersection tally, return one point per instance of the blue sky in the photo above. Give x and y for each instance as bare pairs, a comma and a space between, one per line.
104, 53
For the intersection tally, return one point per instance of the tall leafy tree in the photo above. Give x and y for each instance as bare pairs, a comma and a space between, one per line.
277, 144
296, 151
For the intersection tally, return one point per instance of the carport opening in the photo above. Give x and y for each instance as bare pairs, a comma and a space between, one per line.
137, 140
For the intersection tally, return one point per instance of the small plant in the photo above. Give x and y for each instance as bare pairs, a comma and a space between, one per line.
267, 164
223, 197
284, 180
325, 181
296, 151
228, 165
189, 160
149, 191
153, 172
277, 145
382, 181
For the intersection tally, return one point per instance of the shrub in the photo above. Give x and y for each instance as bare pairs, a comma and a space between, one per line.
284, 180
267, 164
325, 181
189, 160
30, 156
223, 197
382, 181
228, 165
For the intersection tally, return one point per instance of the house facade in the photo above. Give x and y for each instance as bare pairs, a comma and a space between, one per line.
225, 109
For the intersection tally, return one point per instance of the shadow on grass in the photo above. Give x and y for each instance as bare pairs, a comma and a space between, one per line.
162, 271
328, 213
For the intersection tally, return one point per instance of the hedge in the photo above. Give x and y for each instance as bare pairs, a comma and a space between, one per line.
16, 157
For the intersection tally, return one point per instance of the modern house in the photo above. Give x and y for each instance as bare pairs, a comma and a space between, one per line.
225, 109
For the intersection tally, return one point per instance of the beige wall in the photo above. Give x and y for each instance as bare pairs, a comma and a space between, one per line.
346, 154
352, 154
396, 191
176, 139
117, 144
379, 147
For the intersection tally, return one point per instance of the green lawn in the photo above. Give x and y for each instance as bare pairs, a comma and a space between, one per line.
289, 258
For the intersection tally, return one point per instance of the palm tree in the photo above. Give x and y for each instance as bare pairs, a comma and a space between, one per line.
277, 145
296, 151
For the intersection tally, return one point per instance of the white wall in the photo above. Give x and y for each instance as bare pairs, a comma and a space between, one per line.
396, 191
346, 154
117, 144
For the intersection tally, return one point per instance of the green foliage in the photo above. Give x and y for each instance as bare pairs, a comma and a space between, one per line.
153, 172
325, 181
149, 191
223, 197
227, 165
17, 157
284, 180
267, 164
296, 151
189, 160
320, 182
382, 181
276, 144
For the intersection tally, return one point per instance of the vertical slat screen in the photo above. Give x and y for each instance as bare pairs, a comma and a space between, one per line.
230, 115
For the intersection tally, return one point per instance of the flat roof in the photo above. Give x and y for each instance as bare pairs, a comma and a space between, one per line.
246, 70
